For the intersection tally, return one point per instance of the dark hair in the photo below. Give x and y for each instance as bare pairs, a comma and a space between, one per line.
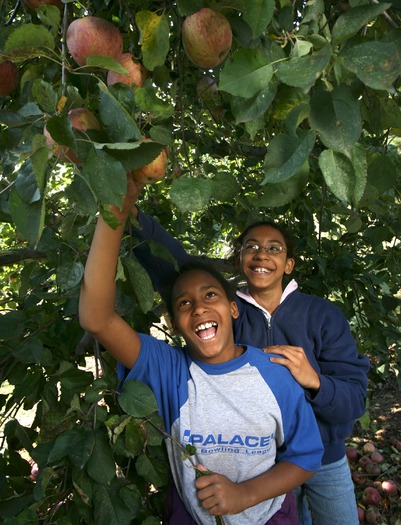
279, 227
229, 288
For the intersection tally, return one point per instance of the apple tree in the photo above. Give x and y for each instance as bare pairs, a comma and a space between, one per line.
297, 117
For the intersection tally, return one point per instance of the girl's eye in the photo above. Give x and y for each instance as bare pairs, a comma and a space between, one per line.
185, 302
211, 294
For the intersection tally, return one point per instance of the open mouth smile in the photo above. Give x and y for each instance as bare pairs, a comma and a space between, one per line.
206, 331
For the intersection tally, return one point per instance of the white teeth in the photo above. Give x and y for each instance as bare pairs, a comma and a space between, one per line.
205, 326
261, 270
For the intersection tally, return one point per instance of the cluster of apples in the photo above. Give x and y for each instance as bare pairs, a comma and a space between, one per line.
375, 488
94, 36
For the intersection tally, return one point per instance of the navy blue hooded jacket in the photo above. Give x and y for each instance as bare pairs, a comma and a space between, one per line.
303, 320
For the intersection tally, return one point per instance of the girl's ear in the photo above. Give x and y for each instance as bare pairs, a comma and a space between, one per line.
289, 266
234, 310
174, 327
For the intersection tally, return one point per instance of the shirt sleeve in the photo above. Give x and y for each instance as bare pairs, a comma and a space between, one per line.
343, 371
160, 270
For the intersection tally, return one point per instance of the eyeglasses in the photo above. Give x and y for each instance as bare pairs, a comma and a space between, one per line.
270, 249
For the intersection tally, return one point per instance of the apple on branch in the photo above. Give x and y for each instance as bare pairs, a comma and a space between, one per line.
137, 73
155, 170
81, 120
206, 38
34, 4
8, 78
93, 36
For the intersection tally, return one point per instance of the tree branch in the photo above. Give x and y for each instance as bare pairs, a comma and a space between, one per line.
9, 257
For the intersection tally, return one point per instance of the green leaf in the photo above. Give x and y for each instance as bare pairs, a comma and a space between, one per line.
191, 194
39, 161
152, 470
101, 466
186, 8
355, 19
49, 15
154, 38
28, 218
282, 193
158, 250
69, 275
246, 73
247, 110
140, 282
134, 438
107, 177
137, 399
29, 36
336, 116
45, 95
133, 155
258, 15
346, 177
121, 126
12, 324
148, 101
109, 507
303, 71
26, 184
33, 351
81, 446
73, 378
286, 155
108, 63
225, 187
376, 64
60, 128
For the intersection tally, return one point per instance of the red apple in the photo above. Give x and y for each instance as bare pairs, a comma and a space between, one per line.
137, 73
206, 38
352, 454
93, 36
371, 496
361, 514
358, 477
155, 170
82, 120
372, 516
34, 4
390, 486
373, 469
376, 457
8, 78
364, 460
368, 448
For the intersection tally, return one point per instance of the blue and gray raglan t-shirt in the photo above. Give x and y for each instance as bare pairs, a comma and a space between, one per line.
242, 416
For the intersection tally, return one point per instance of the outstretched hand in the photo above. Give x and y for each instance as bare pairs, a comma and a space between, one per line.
133, 191
295, 360
219, 495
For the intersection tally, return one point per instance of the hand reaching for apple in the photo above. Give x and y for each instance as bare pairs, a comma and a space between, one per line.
128, 206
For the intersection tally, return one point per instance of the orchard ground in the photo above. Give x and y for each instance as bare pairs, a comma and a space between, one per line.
383, 429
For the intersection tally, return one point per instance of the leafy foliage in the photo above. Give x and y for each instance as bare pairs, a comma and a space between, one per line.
301, 122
